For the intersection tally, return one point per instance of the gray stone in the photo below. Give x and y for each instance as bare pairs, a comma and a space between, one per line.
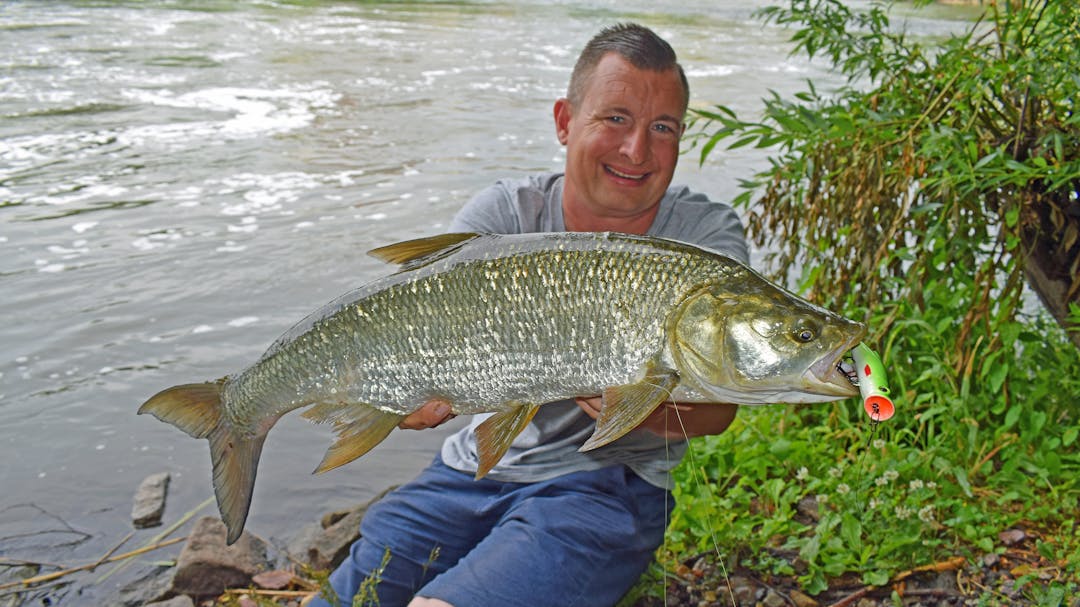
207, 566
151, 586
150, 501
743, 590
176, 601
808, 507
773, 599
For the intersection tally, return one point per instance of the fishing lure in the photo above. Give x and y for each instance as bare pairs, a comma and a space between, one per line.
873, 383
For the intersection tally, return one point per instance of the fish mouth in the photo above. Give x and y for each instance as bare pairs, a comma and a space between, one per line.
830, 371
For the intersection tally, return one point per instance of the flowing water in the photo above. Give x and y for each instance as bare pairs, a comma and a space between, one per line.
182, 181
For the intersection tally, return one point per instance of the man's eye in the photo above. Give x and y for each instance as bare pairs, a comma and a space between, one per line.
617, 119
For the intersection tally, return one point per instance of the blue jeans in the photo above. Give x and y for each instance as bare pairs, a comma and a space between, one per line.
581, 539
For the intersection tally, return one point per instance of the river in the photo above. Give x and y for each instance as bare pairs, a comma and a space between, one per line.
182, 181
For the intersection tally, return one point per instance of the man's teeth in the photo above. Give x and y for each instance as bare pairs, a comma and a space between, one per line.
624, 175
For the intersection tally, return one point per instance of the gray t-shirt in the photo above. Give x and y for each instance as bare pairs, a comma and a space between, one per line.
548, 447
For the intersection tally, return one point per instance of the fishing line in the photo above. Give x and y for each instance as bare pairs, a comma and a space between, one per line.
701, 481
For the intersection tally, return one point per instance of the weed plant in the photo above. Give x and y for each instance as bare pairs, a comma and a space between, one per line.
920, 197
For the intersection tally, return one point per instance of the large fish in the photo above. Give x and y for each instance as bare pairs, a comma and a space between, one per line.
505, 323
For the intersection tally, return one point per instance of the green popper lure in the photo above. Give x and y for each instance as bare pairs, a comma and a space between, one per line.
873, 383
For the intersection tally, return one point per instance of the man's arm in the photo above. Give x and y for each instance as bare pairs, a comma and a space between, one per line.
682, 420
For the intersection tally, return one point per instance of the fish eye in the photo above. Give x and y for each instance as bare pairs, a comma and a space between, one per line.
805, 335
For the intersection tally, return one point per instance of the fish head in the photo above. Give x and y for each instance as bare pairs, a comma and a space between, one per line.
755, 343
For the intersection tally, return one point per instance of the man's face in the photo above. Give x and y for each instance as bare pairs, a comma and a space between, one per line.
622, 142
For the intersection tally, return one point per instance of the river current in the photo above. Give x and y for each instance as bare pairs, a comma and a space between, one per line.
180, 182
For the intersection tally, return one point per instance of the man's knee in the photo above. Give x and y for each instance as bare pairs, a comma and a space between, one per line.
421, 601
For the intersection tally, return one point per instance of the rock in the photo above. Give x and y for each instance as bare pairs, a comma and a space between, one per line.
325, 546
176, 601
152, 586
802, 600
1012, 536
743, 590
808, 507
277, 579
206, 566
150, 501
773, 599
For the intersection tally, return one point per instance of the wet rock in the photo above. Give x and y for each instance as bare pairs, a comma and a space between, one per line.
206, 566
324, 546
150, 501
176, 601
153, 586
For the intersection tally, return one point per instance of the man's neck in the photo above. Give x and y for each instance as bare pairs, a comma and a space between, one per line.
635, 224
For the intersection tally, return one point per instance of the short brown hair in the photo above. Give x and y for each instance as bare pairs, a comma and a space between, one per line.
637, 44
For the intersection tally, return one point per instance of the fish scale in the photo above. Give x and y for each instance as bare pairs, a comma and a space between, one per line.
506, 323
404, 344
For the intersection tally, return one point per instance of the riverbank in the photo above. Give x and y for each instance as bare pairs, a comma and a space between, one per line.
198, 569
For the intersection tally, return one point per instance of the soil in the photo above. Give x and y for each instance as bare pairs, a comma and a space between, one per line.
1018, 576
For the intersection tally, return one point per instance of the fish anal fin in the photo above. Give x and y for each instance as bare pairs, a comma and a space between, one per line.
421, 251
495, 434
626, 406
359, 428
327, 412
193, 408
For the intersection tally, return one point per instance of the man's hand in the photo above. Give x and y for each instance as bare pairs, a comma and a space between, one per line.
698, 419
433, 413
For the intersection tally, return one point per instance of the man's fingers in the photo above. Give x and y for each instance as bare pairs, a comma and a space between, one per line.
430, 415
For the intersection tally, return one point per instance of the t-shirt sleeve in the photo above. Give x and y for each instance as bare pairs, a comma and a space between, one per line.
710, 224
491, 211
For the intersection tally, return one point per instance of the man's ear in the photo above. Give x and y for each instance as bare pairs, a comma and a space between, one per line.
562, 119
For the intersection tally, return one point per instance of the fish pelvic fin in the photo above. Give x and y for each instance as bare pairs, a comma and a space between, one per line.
197, 410
495, 434
419, 252
358, 428
194, 408
626, 406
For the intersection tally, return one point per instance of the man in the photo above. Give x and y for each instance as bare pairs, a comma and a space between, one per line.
549, 525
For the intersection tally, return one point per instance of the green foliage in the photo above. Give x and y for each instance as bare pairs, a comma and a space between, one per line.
916, 197
964, 158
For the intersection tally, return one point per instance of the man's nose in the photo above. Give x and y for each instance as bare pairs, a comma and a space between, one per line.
635, 145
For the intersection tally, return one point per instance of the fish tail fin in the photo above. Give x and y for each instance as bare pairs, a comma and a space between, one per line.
197, 410
235, 460
194, 408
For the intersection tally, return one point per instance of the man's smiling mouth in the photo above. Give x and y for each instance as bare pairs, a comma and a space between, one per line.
625, 175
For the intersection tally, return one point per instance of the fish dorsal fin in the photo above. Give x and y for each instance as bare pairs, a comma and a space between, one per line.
495, 434
626, 406
422, 251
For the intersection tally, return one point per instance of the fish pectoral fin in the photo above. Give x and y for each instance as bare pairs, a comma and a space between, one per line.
495, 434
421, 251
626, 406
358, 427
